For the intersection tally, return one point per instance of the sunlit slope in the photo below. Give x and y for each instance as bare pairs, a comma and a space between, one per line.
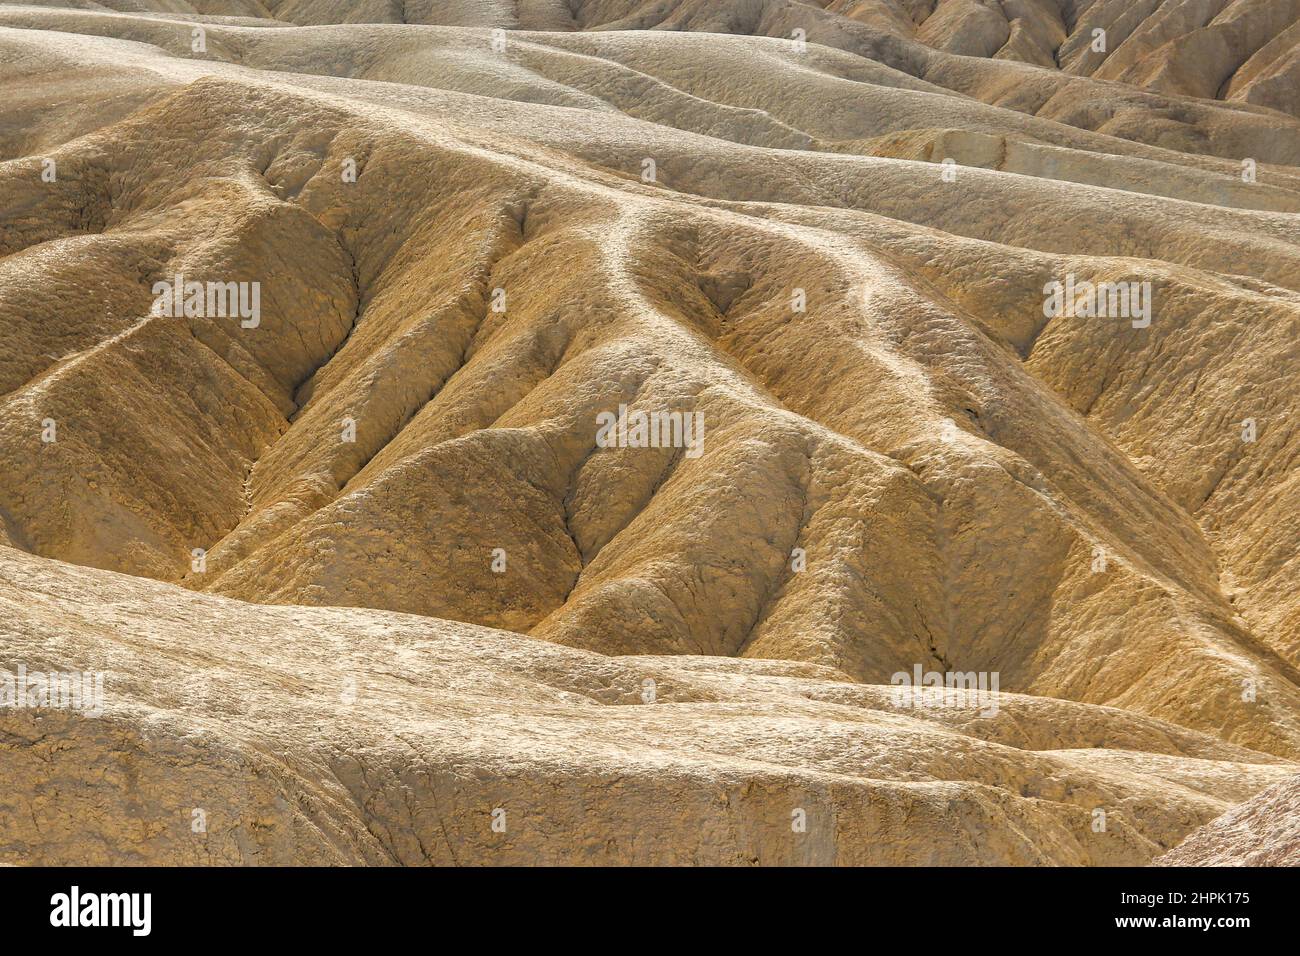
951, 462
237, 734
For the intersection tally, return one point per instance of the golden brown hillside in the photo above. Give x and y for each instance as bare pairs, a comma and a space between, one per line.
356, 311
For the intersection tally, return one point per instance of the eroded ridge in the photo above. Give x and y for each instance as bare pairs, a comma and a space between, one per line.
825, 356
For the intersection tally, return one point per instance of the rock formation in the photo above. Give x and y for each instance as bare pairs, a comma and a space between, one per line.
1263, 831
310, 313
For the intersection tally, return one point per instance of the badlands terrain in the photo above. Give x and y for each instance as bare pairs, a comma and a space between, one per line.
366, 583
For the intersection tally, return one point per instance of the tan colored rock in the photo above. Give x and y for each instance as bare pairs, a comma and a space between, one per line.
316, 735
1263, 831
839, 265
